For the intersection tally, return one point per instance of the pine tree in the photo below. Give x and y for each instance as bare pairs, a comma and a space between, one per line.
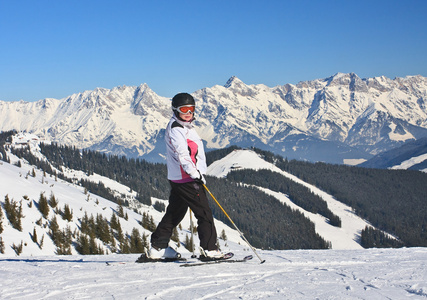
114, 222
82, 244
136, 243
43, 206
102, 229
1, 220
34, 236
1, 245
68, 213
145, 220
52, 201
65, 236
55, 232
120, 211
13, 212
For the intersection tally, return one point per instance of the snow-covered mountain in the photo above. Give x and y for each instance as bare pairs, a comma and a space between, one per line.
336, 119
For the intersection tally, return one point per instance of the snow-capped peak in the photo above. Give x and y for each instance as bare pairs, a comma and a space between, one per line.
232, 81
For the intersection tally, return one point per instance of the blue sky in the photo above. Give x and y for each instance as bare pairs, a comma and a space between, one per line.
52, 49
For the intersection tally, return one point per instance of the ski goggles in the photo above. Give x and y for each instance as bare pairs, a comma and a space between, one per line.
185, 109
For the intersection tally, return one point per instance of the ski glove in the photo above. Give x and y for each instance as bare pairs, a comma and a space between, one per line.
198, 177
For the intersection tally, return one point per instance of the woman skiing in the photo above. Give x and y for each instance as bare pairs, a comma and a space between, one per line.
186, 164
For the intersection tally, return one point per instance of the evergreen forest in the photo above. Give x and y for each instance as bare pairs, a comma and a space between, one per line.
391, 200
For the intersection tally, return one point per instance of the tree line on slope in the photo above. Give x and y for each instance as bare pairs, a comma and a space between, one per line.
86, 238
297, 193
265, 222
391, 200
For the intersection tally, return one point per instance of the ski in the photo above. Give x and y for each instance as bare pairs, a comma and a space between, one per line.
227, 255
145, 259
114, 263
227, 258
217, 261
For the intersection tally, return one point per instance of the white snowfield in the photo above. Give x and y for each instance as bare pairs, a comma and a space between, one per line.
349, 273
299, 274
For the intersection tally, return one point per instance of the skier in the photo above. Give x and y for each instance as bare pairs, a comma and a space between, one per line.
186, 164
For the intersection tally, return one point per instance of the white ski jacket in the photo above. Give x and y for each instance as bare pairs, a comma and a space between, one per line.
184, 151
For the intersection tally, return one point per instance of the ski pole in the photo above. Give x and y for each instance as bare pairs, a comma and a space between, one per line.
192, 237
241, 234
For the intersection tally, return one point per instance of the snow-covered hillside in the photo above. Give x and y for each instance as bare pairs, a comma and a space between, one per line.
350, 273
345, 237
18, 184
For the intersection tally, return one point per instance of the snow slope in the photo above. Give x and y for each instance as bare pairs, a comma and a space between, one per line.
23, 188
346, 237
298, 274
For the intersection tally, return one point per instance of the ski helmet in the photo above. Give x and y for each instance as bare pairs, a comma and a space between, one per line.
182, 99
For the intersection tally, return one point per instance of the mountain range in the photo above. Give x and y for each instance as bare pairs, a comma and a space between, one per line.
340, 119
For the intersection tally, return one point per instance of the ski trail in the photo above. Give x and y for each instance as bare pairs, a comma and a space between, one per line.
247, 281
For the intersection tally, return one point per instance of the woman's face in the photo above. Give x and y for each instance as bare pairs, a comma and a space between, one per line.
186, 117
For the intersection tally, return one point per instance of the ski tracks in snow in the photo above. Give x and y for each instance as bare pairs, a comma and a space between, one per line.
296, 274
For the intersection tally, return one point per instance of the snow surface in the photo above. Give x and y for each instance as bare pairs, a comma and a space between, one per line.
296, 274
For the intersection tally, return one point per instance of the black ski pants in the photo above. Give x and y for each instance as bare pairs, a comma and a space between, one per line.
183, 196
